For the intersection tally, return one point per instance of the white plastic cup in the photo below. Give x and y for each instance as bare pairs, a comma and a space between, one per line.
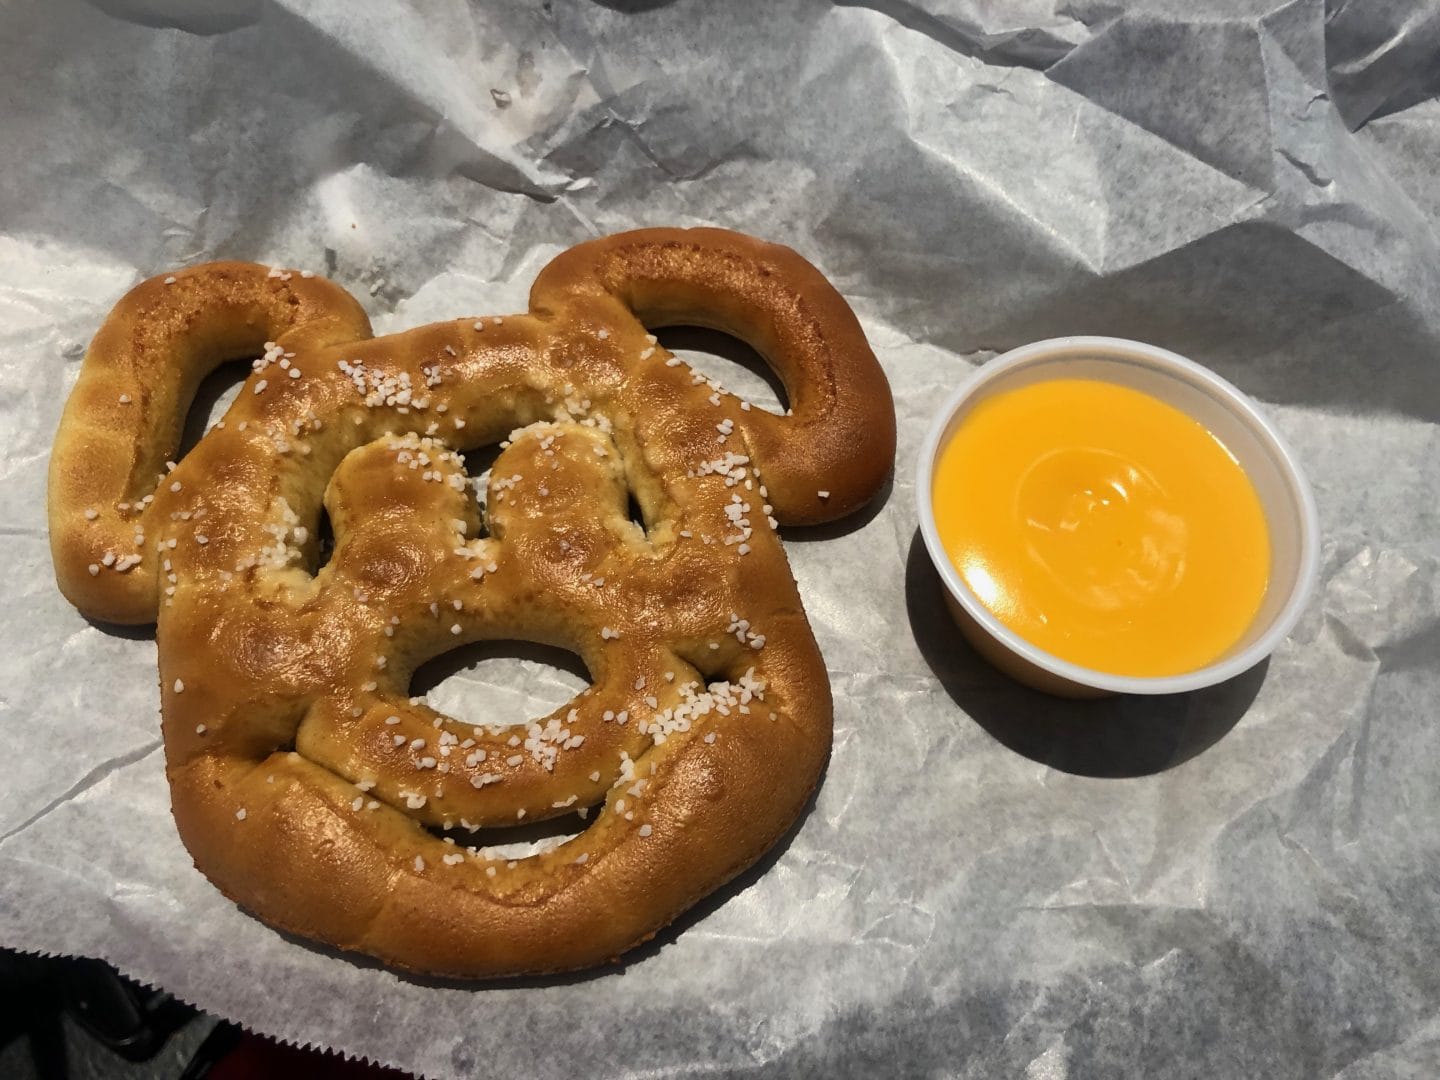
1235, 420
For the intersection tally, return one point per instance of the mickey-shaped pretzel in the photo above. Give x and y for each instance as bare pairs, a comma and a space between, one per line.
306, 783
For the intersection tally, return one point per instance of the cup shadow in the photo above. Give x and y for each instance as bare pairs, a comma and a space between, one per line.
1112, 738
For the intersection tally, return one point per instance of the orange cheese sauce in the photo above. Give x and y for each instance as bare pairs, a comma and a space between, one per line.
1104, 526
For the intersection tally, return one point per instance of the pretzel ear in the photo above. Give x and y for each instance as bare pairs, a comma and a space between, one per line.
834, 449
124, 418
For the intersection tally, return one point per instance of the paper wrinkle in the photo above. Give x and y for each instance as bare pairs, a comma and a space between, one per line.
213, 17
84, 784
1382, 58
1033, 35
988, 883
542, 87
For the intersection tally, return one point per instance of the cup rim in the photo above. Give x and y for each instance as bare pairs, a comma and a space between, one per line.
1234, 399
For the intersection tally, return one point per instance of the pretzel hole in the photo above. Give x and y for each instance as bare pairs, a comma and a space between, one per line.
634, 512
478, 463
500, 683
701, 663
518, 841
324, 541
213, 397
730, 362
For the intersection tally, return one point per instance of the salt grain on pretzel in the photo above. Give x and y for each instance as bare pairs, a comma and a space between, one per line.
306, 671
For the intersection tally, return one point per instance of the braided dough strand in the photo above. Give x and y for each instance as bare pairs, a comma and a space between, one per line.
307, 783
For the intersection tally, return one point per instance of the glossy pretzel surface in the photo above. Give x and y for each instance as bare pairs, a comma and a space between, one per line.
307, 784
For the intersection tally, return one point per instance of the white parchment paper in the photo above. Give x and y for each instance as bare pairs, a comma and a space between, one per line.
1241, 882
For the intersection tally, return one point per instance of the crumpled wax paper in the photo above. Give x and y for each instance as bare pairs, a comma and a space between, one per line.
1240, 882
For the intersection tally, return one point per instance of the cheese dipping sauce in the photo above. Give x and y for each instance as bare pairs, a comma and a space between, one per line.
1104, 526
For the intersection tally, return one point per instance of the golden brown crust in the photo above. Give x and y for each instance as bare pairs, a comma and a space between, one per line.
306, 783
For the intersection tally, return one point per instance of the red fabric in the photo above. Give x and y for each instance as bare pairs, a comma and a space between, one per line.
255, 1057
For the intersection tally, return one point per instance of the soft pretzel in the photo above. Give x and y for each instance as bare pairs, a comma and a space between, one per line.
306, 783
